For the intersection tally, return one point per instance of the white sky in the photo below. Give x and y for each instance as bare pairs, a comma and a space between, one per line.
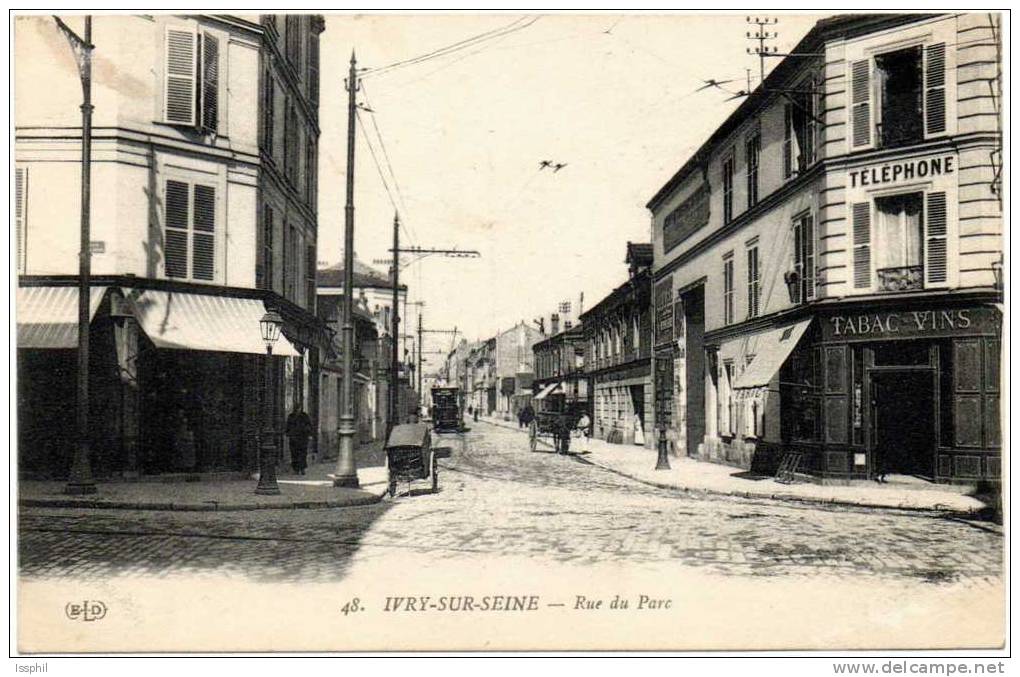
465, 134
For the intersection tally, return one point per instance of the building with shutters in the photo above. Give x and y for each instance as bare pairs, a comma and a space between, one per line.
828, 263
203, 216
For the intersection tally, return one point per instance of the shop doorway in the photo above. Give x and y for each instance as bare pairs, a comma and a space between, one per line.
694, 333
903, 422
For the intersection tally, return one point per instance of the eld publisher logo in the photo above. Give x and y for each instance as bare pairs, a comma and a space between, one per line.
87, 610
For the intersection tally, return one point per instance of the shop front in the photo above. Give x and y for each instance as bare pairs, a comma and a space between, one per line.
912, 390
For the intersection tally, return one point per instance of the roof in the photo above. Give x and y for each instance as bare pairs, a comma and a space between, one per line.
639, 286
639, 253
839, 26
364, 276
326, 305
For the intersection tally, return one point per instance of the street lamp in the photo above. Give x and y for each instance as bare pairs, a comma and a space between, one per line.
270, 324
80, 480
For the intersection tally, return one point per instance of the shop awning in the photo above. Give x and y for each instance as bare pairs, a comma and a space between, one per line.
548, 390
48, 316
183, 321
771, 351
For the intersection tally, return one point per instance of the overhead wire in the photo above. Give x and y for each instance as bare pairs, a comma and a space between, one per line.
512, 27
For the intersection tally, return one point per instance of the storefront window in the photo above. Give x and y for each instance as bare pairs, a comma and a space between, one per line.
898, 233
901, 354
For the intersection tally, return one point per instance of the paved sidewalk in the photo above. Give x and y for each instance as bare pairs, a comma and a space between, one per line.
687, 474
312, 490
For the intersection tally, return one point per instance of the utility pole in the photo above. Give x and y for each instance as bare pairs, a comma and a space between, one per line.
421, 395
346, 471
80, 480
762, 50
394, 262
395, 330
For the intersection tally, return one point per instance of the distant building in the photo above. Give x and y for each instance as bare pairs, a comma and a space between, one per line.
617, 332
560, 372
373, 299
515, 365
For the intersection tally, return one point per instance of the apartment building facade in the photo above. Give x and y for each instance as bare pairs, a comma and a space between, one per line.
828, 264
178, 180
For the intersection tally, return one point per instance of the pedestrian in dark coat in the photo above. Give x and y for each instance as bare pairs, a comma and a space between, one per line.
299, 428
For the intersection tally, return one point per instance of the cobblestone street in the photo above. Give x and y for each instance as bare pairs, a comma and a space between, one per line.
499, 499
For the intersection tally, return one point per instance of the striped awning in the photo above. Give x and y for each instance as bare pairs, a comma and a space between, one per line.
771, 351
48, 316
182, 321
549, 390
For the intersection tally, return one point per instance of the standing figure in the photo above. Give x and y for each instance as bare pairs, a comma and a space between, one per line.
582, 430
299, 428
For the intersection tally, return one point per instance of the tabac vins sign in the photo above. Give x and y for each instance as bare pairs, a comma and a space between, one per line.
911, 323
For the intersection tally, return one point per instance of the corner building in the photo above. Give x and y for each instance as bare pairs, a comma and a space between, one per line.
827, 276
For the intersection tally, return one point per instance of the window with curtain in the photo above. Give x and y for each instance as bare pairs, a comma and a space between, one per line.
898, 230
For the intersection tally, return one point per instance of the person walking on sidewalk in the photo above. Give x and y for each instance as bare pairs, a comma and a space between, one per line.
582, 431
299, 428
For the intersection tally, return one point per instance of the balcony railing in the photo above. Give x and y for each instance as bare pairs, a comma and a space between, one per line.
901, 278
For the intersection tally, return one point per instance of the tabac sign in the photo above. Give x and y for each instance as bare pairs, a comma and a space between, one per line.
904, 170
911, 323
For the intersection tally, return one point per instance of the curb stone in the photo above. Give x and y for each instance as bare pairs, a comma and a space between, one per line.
375, 496
941, 511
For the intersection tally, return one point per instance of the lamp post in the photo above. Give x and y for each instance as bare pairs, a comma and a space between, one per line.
271, 323
80, 479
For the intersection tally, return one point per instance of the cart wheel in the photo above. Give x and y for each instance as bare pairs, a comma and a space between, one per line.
533, 436
435, 475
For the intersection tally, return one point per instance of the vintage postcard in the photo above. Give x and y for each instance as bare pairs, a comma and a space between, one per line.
509, 332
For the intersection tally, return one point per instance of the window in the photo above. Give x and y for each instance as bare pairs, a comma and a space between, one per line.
269, 115
291, 263
898, 233
726, 413
292, 40
753, 146
265, 269
313, 68
191, 78
899, 80
753, 280
21, 215
800, 128
910, 86
189, 236
727, 182
289, 141
310, 277
728, 288
311, 173
804, 258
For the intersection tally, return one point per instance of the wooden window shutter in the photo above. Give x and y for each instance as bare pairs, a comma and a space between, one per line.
935, 89
177, 208
21, 214
935, 268
787, 141
860, 103
210, 82
861, 217
181, 70
203, 254
808, 242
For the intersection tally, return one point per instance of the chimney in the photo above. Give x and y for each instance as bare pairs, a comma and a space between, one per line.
554, 324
